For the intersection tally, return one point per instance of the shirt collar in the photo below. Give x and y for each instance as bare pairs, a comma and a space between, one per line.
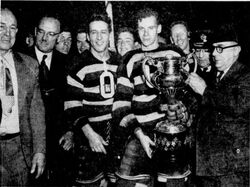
9, 59
40, 54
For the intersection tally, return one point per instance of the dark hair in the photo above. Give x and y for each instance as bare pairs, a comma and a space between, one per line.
82, 28
66, 28
145, 13
125, 29
100, 17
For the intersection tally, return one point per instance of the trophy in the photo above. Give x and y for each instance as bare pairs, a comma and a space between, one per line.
167, 74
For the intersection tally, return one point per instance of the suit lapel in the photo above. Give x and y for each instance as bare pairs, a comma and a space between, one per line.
21, 73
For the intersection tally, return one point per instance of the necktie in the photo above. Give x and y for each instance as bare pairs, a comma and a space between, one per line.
219, 75
7, 86
44, 73
205, 70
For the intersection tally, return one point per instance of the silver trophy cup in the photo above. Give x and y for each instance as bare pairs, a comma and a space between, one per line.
167, 74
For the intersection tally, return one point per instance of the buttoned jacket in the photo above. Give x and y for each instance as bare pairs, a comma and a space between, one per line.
222, 143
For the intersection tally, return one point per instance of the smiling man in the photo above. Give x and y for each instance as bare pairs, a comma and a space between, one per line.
125, 40
22, 127
180, 35
91, 86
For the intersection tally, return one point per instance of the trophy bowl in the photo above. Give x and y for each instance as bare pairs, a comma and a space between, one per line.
167, 74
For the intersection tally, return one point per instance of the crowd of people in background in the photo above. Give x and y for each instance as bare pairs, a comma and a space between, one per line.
83, 114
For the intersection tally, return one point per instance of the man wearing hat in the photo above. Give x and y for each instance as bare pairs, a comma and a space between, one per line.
222, 132
203, 48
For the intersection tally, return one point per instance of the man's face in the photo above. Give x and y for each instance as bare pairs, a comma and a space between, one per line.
228, 56
148, 30
99, 36
203, 56
179, 36
81, 42
125, 42
8, 30
64, 42
46, 34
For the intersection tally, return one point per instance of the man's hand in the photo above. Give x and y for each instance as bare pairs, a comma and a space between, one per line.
38, 163
96, 141
146, 142
66, 141
196, 83
177, 112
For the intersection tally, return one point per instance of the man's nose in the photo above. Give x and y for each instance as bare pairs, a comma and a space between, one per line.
201, 54
99, 36
44, 37
7, 31
145, 32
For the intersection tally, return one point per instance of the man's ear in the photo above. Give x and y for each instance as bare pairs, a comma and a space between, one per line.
88, 37
35, 31
159, 27
171, 39
237, 50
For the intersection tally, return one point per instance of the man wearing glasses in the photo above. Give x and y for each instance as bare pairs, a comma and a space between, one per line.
222, 141
52, 80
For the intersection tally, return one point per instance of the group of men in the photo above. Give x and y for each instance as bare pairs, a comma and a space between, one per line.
102, 107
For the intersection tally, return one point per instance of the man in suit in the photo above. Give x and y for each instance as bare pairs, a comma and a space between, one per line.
222, 137
52, 81
22, 128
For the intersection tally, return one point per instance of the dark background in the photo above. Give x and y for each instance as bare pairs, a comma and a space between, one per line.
199, 15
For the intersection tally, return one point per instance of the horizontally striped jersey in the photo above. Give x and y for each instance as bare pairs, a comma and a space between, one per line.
137, 103
85, 104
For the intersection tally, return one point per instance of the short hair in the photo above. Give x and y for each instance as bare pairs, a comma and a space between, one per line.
82, 28
179, 22
145, 13
9, 12
125, 29
100, 17
54, 16
66, 28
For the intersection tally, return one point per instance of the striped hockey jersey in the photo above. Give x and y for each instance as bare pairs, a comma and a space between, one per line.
136, 103
84, 103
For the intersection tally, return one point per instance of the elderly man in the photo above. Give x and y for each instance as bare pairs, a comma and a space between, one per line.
222, 141
203, 50
22, 128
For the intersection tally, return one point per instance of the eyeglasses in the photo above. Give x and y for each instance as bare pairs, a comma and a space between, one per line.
49, 34
220, 49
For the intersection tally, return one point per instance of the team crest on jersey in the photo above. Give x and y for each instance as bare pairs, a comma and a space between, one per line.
107, 84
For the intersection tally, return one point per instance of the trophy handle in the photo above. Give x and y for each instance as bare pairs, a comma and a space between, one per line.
146, 63
185, 59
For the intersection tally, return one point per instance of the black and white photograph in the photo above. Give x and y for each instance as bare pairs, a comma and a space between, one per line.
124, 93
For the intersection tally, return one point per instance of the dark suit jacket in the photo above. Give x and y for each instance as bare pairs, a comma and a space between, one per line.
207, 76
54, 99
30, 105
222, 144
